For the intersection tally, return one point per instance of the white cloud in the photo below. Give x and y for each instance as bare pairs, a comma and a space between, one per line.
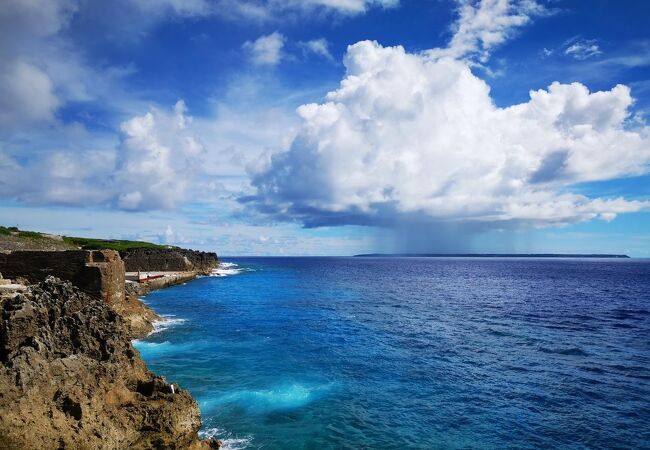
265, 50
342, 6
485, 24
155, 165
265, 10
39, 18
43, 69
319, 47
582, 49
59, 177
407, 136
157, 158
186, 8
26, 94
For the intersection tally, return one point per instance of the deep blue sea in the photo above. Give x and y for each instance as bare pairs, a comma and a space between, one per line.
413, 353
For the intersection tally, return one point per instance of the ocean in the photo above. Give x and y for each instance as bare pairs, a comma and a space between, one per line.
412, 353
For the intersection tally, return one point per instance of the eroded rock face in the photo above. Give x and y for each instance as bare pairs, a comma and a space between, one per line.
70, 379
168, 260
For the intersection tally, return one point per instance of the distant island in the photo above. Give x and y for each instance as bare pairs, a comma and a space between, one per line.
487, 255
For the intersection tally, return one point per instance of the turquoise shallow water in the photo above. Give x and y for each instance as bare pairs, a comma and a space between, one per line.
319, 353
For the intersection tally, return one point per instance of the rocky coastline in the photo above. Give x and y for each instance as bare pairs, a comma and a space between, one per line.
69, 375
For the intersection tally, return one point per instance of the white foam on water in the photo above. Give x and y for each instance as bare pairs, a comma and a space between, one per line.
227, 269
156, 349
167, 322
153, 348
144, 344
280, 398
228, 442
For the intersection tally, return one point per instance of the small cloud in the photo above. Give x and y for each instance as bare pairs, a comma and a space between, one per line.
582, 49
484, 25
319, 47
266, 50
546, 52
273, 10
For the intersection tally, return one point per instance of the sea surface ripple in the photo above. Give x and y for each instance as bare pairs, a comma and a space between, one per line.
413, 353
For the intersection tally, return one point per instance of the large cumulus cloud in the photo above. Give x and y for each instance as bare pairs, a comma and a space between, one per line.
418, 136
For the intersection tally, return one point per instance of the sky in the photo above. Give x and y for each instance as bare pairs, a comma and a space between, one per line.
329, 127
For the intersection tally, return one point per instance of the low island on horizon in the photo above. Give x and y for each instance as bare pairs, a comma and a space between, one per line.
490, 255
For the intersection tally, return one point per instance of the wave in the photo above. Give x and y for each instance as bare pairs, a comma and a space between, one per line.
167, 322
228, 441
157, 349
153, 349
227, 268
280, 398
150, 349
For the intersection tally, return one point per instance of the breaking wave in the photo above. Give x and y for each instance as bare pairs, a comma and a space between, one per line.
228, 441
167, 322
227, 268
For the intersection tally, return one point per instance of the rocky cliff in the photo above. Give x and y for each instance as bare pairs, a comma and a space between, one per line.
168, 260
70, 379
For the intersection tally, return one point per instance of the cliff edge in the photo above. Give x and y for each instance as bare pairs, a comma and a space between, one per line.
70, 379
171, 259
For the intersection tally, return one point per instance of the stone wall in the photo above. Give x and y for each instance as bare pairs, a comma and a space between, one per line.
99, 273
168, 260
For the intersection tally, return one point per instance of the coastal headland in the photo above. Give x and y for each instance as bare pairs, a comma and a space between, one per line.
69, 375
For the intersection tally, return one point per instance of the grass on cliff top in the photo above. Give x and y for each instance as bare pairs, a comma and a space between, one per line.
110, 244
14, 231
8, 230
84, 243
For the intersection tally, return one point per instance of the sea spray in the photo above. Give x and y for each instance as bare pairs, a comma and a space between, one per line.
228, 268
167, 322
228, 441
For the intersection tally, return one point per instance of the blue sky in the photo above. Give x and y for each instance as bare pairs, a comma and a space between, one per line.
482, 126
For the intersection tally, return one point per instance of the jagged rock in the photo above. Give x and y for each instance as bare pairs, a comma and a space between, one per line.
70, 379
168, 260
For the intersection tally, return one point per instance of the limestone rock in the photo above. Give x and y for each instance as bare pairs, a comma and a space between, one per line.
70, 379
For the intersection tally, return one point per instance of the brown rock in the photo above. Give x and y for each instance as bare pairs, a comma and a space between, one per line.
168, 260
70, 379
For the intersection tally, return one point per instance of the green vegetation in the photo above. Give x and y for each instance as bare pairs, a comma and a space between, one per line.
84, 243
111, 244
8, 230
30, 234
